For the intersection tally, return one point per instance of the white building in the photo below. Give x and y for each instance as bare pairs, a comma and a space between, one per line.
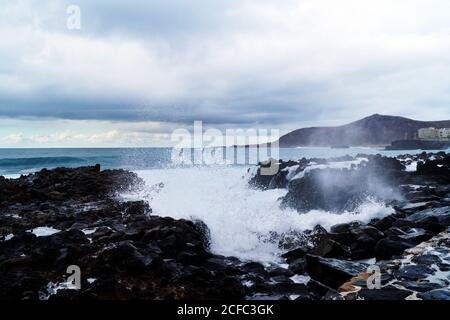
434, 134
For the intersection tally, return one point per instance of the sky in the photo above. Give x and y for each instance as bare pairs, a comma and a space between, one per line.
135, 71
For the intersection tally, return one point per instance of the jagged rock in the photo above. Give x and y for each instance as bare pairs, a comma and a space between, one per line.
391, 246
297, 266
414, 272
332, 272
437, 294
385, 223
294, 254
330, 249
416, 235
344, 227
385, 293
319, 289
436, 215
419, 286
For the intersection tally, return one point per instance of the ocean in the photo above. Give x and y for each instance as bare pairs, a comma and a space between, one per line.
240, 219
14, 162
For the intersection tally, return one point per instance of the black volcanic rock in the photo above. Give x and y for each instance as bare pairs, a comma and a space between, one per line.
339, 190
391, 246
122, 251
332, 272
374, 130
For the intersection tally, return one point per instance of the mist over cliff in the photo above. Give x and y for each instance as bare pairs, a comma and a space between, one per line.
374, 130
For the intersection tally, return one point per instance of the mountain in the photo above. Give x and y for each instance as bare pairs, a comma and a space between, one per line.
376, 130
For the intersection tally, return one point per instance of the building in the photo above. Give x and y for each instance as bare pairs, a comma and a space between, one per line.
434, 134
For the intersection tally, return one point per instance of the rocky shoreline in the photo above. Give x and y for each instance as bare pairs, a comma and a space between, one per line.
410, 247
58, 218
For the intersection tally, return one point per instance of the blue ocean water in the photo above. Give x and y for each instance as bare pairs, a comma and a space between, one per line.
14, 162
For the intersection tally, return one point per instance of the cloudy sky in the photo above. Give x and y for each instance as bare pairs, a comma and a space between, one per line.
136, 70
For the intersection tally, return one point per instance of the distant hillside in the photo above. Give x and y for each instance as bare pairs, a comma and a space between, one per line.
376, 130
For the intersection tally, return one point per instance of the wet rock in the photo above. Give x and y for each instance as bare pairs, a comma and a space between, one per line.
437, 294
385, 223
216, 264
318, 288
385, 293
253, 267
332, 272
344, 227
419, 286
294, 254
297, 266
277, 271
413, 272
442, 215
417, 235
338, 190
391, 246
124, 258
330, 249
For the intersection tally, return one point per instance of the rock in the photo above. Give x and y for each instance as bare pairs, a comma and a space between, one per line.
391, 246
216, 264
437, 294
344, 227
416, 235
277, 271
124, 258
385, 223
253, 267
318, 288
294, 254
330, 249
332, 272
442, 214
413, 272
205, 234
291, 289
338, 190
366, 231
297, 266
419, 286
385, 293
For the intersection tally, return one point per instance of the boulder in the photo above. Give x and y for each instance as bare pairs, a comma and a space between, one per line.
332, 272
294, 254
383, 294
391, 246
437, 294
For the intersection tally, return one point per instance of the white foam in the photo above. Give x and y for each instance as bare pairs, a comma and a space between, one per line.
237, 216
330, 165
412, 167
43, 231
8, 237
291, 171
53, 288
300, 279
89, 231
91, 280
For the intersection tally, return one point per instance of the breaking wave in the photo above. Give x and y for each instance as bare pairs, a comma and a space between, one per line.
238, 217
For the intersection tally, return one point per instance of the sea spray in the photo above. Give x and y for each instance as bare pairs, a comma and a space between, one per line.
237, 216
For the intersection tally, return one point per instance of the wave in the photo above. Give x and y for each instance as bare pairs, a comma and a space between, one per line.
41, 162
239, 218
16, 162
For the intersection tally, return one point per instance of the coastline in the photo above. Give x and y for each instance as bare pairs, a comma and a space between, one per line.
55, 218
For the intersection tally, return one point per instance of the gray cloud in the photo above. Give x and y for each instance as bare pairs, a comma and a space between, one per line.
226, 62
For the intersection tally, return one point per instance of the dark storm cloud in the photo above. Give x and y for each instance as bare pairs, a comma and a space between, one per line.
225, 62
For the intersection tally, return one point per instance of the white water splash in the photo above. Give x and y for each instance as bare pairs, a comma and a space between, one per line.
236, 215
43, 231
330, 165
